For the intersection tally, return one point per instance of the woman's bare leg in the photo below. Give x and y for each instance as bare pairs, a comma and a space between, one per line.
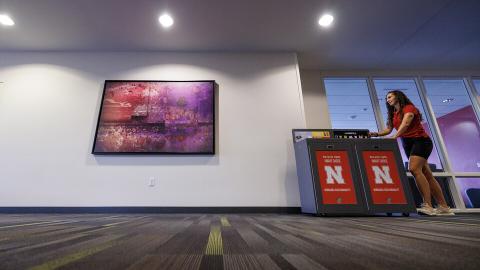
415, 166
435, 188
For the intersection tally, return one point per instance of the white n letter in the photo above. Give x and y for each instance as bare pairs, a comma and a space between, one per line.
382, 175
334, 174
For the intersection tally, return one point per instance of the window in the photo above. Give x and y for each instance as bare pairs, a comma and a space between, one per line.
450, 105
349, 104
470, 190
458, 124
409, 87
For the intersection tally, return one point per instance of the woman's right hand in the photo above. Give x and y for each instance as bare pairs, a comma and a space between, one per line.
373, 134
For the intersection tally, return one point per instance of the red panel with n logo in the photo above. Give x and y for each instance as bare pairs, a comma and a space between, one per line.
383, 178
335, 176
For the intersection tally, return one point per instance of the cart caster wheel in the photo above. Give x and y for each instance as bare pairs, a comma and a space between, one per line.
389, 214
406, 214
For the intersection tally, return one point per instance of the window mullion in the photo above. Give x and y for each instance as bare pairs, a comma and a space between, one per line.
375, 104
473, 97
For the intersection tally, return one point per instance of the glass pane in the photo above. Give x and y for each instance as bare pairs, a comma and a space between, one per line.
476, 83
470, 190
409, 87
349, 104
457, 122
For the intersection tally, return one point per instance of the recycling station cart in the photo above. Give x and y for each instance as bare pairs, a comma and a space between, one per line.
346, 172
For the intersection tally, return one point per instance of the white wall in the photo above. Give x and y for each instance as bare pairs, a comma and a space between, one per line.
49, 104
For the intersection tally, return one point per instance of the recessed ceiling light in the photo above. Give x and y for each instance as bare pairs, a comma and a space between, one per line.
165, 20
447, 100
6, 20
326, 20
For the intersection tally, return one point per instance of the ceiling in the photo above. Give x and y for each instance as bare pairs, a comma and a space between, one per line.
366, 34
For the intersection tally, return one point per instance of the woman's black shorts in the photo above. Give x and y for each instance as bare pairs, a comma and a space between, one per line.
421, 146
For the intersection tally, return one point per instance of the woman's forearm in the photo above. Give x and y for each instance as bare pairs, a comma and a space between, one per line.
407, 120
381, 133
400, 131
385, 132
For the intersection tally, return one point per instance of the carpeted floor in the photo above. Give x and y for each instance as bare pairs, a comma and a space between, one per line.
243, 241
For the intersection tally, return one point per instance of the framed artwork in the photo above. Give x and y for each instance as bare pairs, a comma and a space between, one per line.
156, 117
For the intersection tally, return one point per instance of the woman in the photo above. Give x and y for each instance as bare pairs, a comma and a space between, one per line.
406, 119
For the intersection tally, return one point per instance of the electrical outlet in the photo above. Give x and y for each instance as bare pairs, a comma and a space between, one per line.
151, 181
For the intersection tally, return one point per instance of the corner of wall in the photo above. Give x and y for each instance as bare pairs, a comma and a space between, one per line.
314, 99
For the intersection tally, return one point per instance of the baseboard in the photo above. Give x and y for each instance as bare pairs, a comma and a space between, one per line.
149, 209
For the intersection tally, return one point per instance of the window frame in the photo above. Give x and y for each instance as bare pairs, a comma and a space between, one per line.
473, 94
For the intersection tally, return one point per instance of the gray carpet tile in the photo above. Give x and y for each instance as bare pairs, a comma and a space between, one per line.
237, 241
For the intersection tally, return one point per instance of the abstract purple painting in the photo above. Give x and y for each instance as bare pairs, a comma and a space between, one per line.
156, 117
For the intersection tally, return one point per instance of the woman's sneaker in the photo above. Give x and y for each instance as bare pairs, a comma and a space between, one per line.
426, 210
444, 211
